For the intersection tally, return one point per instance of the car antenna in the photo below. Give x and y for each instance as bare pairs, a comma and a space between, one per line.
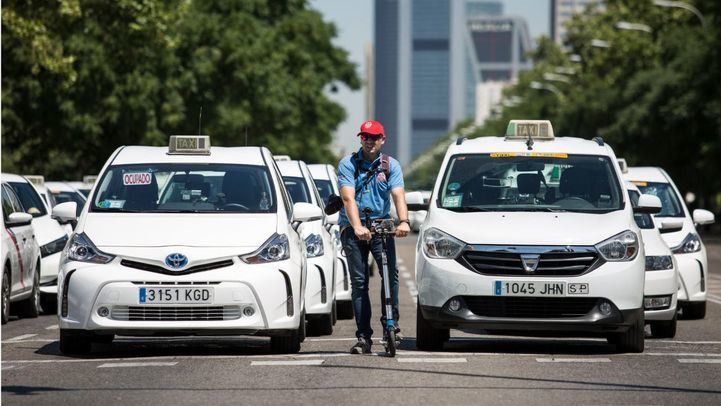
200, 119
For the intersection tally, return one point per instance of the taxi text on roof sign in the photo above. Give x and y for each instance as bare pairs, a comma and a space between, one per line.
535, 129
37, 180
189, 144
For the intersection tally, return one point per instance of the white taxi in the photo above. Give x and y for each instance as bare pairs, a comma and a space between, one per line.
687, 247
320, 300
531, 234
20, 258
51, 235
662, 277
326, 182
185, 240
63, 192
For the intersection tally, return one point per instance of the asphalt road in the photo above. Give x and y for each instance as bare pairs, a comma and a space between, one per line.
471, 369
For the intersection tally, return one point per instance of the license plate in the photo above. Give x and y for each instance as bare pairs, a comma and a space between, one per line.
176, 295
539, 289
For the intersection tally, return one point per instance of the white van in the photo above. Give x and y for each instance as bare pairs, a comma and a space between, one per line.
531, 234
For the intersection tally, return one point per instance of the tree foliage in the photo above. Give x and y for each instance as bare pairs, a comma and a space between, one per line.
82, 77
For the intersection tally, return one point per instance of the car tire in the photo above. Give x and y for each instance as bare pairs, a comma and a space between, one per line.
694, 310
345, 310
30, 307
6, 295
289, 344
334, 312
427, 337
103, 338
49, 303
303, 327
663, 329
74, 342
633, 339
321, 325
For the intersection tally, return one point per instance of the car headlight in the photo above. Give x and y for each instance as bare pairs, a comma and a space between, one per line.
659, 263
437, 244
80, 248
692, 243
313, 246
276, 248
53, 246
620, 247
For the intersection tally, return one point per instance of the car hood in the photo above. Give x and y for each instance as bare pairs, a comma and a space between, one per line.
531, 228
110, 230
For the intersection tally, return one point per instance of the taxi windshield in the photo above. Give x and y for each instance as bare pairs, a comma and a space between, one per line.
297, 189
670, 204
185, 188
530, 182
325, 188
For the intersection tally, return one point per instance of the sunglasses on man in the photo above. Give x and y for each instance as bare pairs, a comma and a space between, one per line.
374, 138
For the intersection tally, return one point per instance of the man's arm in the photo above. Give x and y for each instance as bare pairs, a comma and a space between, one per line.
351, 210
399, 198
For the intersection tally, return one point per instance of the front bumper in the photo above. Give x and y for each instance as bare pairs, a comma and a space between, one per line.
693, 269
319, 285
662, 283
342, 280
271, 290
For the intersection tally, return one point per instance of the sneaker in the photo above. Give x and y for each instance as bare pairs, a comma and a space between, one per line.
363, 346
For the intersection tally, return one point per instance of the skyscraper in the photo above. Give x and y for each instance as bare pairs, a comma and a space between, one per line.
427, 68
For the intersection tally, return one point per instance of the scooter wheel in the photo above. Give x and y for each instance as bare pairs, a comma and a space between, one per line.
391, 343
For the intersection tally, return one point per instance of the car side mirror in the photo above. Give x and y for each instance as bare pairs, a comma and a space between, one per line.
414, 201
332, 219
702, 217
65, 213
303, 212
648, 204
670, 225
19, 219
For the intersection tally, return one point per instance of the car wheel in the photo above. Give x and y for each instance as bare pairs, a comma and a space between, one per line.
289, 344
663, 329
633, 339
303, 327
427, 337
6, 295
334, 312
30, 307
694, 310
49, 303
345, 310
74, 342
321, 325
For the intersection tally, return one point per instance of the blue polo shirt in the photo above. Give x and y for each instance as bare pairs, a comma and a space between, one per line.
376, 193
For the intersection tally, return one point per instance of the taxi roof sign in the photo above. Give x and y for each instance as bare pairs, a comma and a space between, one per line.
525, 129
189, 145
281, 157
622, 163
37, 180
90, 179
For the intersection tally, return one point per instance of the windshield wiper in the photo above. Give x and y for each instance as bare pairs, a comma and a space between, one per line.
115, 210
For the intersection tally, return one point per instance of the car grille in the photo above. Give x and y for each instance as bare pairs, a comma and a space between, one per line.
529, 307
551, 263
175, 313
159, 269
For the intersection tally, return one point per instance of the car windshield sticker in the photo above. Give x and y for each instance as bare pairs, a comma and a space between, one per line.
529, 154
454, 186
111, 204
452, 201
132, 179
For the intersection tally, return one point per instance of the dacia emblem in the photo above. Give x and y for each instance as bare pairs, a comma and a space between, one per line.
176, 260
530, 262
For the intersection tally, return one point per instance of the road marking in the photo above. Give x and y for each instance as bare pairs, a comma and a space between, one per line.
37, 340
22, 337
714, 301
406, 275
699, 361
331, 339
682, 354
687, 342
432, 360
399, 260
53, 327
276, 363
137, 364
402, 268
573, 360
4, 367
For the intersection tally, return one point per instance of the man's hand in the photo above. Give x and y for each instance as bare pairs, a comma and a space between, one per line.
403, 229
362, 233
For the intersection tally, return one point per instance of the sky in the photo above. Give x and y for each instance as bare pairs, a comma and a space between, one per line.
354, 21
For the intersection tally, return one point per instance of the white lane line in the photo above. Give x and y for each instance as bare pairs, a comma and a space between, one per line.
331, 339
406, 275
399, 260
22, 337
714, 301
4, 367
137, 364
432, 360
37, 340
286, 363
699, 361
590, 360
713, 276
402, 268
687, 342
53, 327
683, 354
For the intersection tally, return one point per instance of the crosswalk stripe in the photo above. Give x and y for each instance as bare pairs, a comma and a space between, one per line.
432, 360
699, 361
591, 360
53, 327
22, 337
137, 364
286, 363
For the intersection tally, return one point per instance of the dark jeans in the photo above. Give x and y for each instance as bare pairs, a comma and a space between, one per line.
356, 252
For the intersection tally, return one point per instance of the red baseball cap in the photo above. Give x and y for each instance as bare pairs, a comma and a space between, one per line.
372, 127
